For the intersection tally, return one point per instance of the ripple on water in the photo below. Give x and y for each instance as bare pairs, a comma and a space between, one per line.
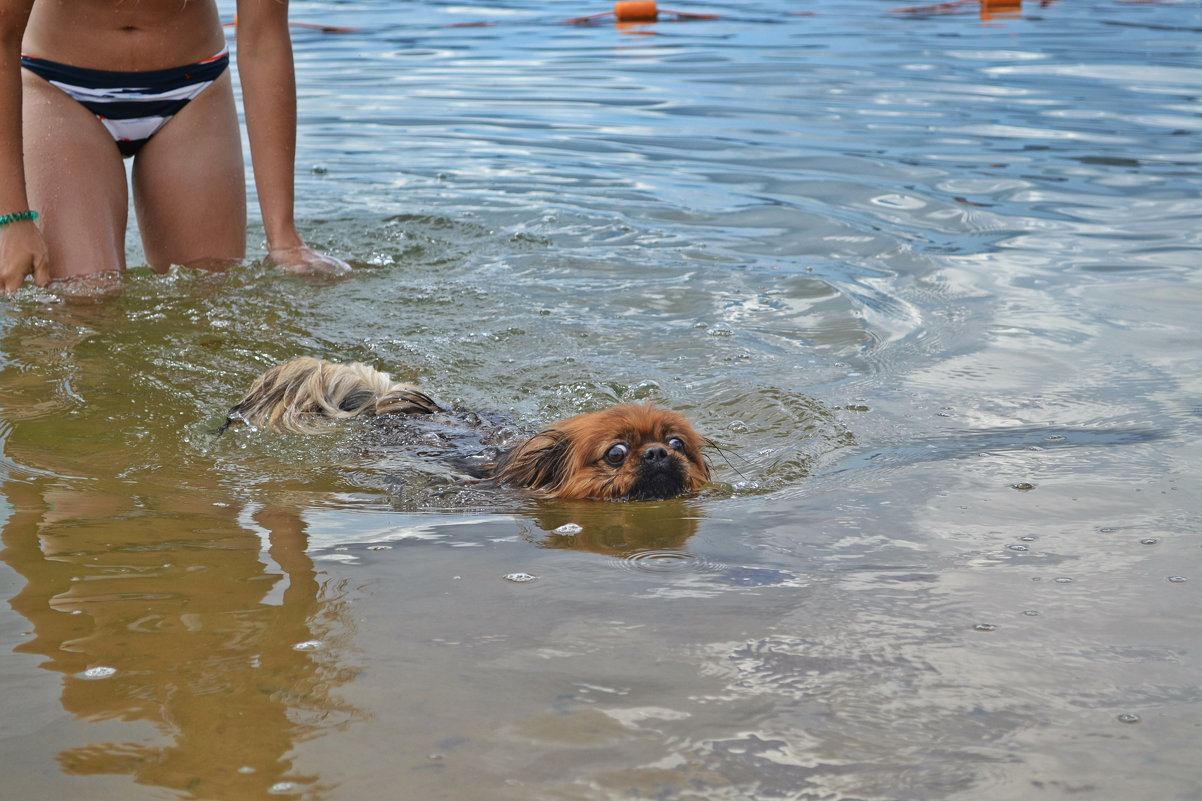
684, 563
664, 561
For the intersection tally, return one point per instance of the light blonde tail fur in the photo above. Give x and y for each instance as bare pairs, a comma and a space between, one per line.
300, 395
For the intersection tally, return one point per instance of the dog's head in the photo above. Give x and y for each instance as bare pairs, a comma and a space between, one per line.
631, 452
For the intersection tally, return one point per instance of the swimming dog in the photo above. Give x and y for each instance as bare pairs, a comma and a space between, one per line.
634, 451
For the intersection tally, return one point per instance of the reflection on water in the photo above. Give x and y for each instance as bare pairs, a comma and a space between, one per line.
927, 280
616, 529
173, 619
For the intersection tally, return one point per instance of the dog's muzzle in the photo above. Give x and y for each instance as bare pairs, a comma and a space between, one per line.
660, 476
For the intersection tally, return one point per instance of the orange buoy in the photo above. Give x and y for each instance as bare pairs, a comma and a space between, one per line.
992, 9
636, 11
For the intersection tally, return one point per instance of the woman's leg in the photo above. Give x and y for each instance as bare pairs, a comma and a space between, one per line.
190, 185
75, 180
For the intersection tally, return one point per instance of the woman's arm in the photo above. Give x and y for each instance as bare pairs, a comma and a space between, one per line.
22, 249
266, 71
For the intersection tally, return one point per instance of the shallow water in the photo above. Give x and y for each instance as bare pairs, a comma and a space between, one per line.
928, 280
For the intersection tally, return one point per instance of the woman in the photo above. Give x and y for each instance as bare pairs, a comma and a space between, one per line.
86, 83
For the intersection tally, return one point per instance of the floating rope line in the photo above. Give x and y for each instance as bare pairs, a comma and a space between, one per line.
312, 26
638, 11
624, 11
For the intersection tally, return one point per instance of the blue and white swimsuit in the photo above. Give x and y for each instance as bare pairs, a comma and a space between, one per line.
133, 106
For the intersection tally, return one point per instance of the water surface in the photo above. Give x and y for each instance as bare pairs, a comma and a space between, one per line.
928, 280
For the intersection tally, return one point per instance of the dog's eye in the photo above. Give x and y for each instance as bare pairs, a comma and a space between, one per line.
676, 444
617, 453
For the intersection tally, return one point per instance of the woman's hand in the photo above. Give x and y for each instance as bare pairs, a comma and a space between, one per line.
22, 253
304, 260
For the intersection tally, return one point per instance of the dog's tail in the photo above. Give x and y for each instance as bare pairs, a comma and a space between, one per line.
299, 395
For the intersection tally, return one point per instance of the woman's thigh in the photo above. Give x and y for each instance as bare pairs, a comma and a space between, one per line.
75, 180
190, 185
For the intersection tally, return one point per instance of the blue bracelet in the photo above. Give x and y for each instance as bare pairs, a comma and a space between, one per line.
17, 216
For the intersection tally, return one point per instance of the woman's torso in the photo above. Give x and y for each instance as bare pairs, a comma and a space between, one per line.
124, 36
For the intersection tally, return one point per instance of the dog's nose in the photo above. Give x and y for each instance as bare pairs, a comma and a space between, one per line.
655, 454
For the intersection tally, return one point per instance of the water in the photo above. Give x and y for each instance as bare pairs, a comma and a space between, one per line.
930, 283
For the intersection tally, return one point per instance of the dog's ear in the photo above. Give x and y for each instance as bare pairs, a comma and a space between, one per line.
541, 462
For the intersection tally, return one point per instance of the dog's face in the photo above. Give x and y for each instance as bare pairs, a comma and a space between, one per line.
632, 452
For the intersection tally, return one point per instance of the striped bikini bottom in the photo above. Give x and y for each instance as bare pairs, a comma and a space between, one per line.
133, 106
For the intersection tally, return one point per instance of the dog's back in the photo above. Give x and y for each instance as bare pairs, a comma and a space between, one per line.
300, 395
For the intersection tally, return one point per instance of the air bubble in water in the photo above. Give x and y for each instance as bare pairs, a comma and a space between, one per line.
98, 673
520, 578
